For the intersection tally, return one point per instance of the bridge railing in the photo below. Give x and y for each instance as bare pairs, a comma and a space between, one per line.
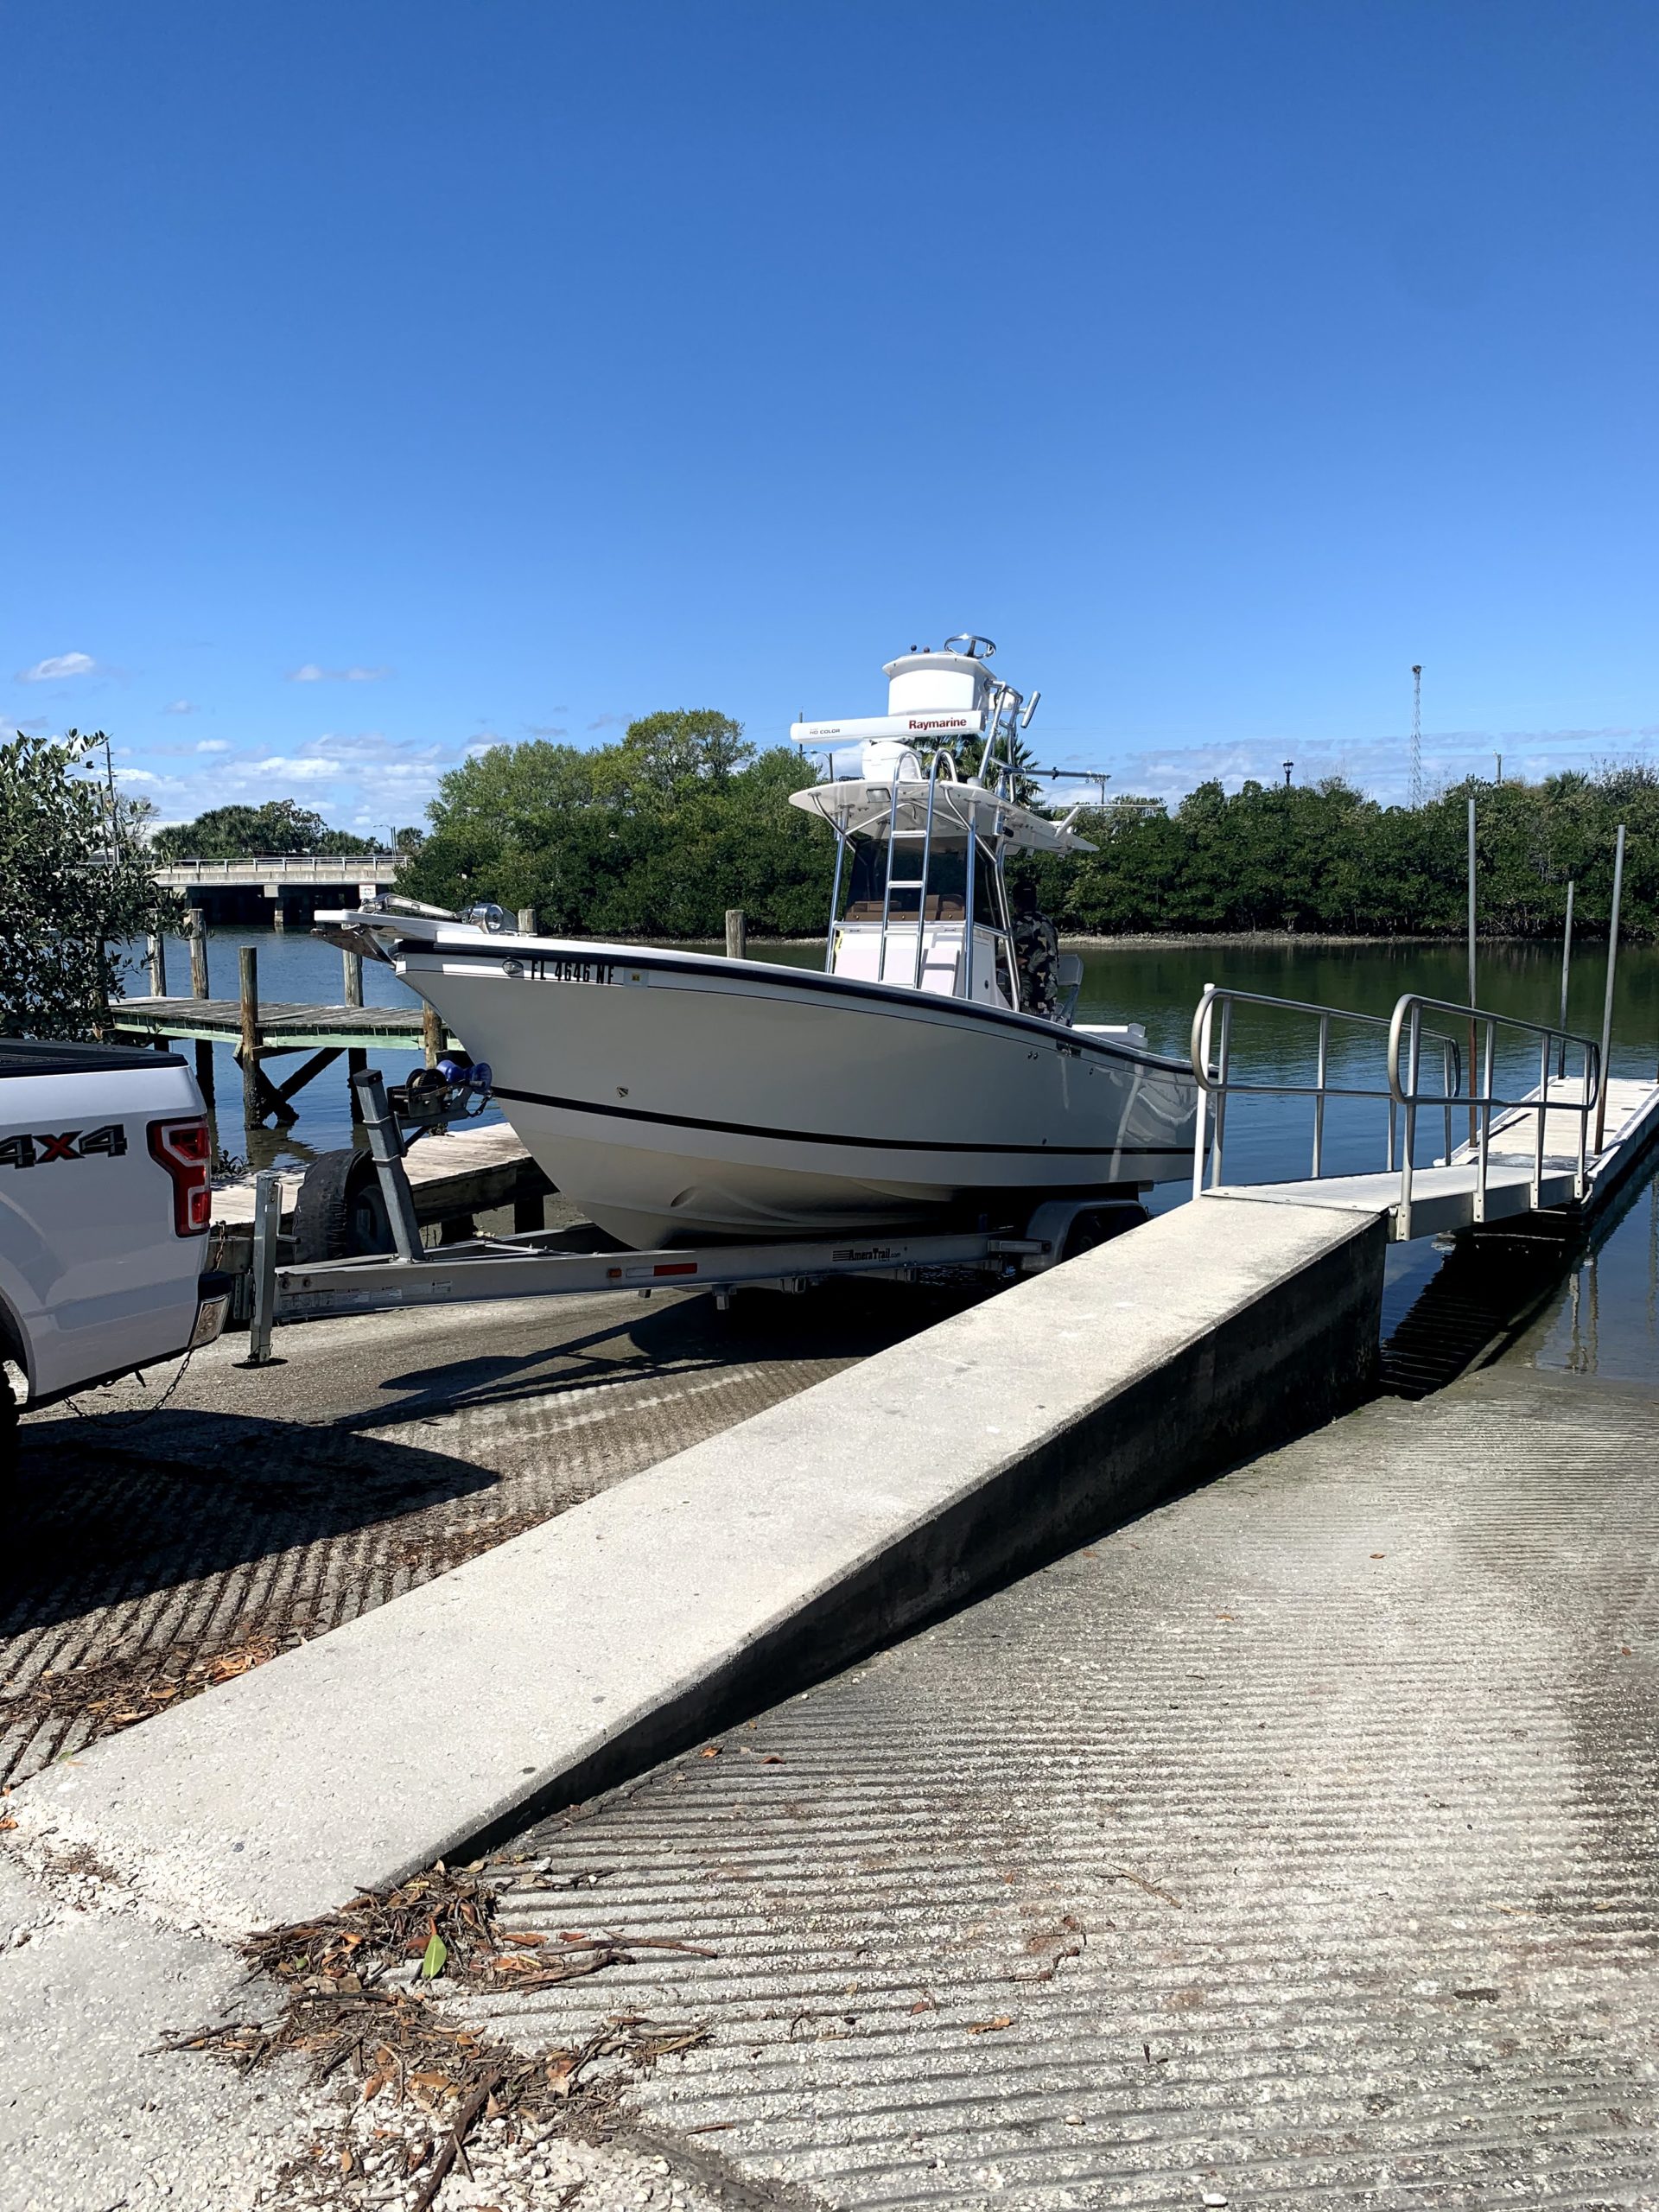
1424, 1069
280, 868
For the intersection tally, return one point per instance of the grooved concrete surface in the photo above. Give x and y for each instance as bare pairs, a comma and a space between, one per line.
257, 1510
1295, 1844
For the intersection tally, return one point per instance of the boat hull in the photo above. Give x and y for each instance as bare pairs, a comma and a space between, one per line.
674, 1096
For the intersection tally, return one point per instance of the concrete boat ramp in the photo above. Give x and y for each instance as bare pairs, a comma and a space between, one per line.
1294, 1845
1284, 1843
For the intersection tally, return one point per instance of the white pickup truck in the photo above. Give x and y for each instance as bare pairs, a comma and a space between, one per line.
105, 1201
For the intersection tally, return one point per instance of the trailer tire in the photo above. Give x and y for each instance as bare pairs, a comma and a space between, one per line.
340, 1213
1099, 1225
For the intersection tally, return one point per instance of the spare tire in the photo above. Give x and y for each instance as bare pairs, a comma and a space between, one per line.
340, 1213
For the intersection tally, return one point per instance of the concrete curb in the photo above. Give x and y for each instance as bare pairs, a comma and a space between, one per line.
761, 1559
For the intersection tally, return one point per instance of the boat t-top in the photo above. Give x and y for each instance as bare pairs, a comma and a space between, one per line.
679, 1097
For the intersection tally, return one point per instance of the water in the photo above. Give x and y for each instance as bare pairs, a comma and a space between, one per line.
1607, 1318
1604, 1320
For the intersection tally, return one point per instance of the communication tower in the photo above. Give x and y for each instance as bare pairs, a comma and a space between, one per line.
1417, 734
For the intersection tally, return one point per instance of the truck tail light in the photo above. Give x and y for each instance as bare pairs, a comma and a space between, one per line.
186, 1150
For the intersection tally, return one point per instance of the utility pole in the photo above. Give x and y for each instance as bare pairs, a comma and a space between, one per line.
1289, 764
1417, 734
1498, 757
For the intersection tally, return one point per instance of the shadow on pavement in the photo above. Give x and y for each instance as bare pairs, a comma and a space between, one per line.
836, 1322
106, 1509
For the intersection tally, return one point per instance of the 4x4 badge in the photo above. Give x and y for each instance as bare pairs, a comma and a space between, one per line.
40, 1150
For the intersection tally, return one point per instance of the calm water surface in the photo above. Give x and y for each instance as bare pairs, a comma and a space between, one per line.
1607, 1317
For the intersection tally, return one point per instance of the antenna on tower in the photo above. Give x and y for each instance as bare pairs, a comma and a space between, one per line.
1417, 734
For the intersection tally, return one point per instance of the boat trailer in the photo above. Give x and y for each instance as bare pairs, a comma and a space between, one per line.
530, 1264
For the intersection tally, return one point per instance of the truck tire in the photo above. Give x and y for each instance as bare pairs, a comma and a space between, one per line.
340, 1213
10, 1450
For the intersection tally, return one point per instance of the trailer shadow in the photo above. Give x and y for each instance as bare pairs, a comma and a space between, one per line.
836, 1322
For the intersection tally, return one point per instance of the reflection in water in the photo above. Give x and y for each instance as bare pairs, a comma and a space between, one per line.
1606, 1320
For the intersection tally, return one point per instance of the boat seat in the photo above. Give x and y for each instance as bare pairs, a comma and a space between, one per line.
945, 907
858, 955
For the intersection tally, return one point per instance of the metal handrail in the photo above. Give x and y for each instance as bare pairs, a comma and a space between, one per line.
1406, 1025
1406, 1038
1221, 1082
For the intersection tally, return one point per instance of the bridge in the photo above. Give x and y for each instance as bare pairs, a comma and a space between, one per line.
278, 887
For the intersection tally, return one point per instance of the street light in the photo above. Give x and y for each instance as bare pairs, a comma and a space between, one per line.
1289, 764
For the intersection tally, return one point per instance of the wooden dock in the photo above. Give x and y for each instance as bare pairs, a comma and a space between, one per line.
283, 1027
258, 1031
280, 1027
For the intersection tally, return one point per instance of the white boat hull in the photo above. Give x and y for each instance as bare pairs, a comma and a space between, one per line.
675, 1097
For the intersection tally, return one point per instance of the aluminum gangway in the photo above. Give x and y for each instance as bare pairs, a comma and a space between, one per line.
1509, 1147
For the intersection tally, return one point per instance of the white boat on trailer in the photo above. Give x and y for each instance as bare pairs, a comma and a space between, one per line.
679, 1097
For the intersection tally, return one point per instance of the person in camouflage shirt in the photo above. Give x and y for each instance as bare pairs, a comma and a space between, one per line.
1036, 953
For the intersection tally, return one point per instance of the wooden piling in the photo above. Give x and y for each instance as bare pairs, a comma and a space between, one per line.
157, 950
247, 962
527, 921
350, 965
196, 937
737, 934
431, 1034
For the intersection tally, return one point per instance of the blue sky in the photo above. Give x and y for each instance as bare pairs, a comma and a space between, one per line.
383, 380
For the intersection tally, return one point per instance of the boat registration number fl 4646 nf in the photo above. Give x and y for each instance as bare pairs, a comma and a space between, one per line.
555, 967
931, 1071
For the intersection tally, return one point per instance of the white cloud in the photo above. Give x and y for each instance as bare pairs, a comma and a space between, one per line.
139, 776
303, 768
57, 666
546, 729
310, 673
180, 707
214, 745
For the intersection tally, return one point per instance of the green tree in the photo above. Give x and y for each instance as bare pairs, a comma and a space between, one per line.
281, 826
75, 883
654, 836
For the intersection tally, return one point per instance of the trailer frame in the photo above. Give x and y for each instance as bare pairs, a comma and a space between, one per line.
528, 1265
